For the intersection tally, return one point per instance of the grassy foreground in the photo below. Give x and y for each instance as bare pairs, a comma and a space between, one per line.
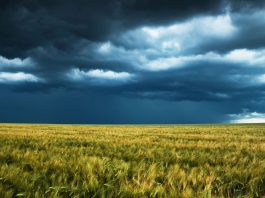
132, 161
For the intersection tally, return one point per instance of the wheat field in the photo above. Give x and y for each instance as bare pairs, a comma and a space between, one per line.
132, 160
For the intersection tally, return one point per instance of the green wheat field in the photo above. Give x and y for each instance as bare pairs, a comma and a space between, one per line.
132, 160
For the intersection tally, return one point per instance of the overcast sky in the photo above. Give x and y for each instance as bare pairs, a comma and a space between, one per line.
132, 61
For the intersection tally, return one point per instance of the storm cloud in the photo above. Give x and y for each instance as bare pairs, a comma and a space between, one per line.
133, 61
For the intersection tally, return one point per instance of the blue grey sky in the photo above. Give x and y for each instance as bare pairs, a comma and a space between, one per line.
132, 61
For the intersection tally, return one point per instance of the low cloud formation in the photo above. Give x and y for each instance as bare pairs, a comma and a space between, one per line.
99, 76
14, 71
7, 77
6, 63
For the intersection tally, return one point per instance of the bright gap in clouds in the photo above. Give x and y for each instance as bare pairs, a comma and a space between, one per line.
248, 117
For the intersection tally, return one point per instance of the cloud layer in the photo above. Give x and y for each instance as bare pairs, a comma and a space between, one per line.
171, 51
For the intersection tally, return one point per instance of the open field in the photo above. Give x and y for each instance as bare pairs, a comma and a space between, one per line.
132, 161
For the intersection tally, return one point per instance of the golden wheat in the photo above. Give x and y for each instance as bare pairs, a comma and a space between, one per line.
132, 161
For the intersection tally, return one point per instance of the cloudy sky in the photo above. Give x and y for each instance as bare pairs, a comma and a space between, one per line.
132, 61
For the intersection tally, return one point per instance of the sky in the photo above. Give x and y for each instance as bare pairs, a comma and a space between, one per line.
132, 61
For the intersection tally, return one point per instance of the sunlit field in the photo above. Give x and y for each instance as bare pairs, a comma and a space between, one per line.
132, 161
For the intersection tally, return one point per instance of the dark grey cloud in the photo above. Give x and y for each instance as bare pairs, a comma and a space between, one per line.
174, 55
30, 24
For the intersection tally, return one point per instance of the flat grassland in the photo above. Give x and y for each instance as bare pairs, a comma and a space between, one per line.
132, 161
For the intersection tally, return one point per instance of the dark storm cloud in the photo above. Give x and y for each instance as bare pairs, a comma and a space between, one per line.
30, 24
166, 52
